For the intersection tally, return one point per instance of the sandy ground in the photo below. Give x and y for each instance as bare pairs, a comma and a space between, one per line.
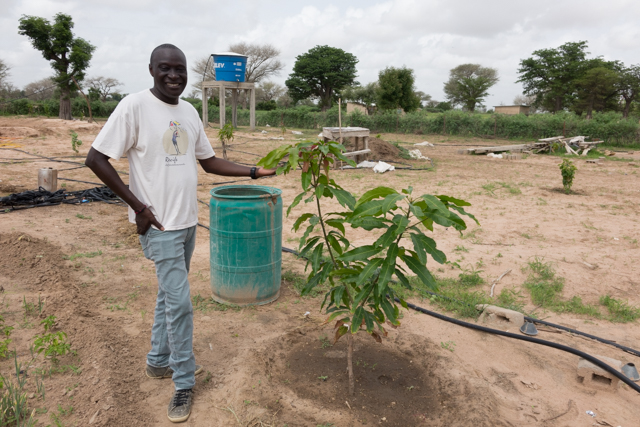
264, 363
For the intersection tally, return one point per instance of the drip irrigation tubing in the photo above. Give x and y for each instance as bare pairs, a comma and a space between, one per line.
53, 159
551, 344
530, 319
41, 197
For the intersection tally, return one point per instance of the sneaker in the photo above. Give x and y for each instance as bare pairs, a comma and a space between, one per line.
166, 372
180, 406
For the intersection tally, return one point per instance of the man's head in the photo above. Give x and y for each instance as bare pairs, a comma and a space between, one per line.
168, 66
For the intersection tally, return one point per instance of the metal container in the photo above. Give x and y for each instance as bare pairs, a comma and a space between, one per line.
48, 179
245, 244
229, 66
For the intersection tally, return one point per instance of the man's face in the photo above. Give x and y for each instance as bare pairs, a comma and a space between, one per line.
169, 70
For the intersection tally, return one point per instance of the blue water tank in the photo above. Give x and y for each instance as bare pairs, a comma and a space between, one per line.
229, 66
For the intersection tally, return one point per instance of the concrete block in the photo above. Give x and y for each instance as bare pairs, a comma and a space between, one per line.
595, 377
500, 316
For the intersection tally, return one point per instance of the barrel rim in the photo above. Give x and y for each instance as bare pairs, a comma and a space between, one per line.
229, 54
270, 192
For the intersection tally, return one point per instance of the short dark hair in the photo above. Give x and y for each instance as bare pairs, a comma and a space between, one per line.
161, 47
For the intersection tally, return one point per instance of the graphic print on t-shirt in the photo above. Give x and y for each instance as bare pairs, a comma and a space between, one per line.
175, 140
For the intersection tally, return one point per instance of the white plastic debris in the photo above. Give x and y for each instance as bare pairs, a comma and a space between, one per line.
383, 167
264, 132
320, 136
425, 144
366, 164
591, 413
494, 156
615, 238
296, 132
307, 314
277, 138
417, 154
268, 125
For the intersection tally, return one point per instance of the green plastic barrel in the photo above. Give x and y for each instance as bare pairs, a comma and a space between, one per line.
246, 244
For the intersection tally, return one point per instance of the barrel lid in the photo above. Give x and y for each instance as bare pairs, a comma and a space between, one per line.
245, 192
229, 54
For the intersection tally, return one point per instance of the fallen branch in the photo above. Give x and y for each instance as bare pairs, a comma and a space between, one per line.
495, 282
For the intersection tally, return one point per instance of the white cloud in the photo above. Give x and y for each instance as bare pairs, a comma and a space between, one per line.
430, 36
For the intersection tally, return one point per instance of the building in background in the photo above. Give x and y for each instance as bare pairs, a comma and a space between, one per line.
512, 110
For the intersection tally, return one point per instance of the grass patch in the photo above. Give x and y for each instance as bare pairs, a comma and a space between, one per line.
83, 255
298, 282
203, 304
546, 289
620, 311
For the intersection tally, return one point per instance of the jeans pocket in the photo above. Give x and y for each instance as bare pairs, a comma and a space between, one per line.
144, 242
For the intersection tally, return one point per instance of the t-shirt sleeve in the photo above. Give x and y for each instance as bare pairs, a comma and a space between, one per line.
203, 147
117, 136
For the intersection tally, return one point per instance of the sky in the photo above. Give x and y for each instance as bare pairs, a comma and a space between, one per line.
429, 36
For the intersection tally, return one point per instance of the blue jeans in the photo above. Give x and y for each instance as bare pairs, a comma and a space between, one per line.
172, 332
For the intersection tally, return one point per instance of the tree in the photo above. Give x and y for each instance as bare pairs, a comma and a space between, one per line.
367, 94
595, 88
321, 73
468, 85
528, 100
629, 87
4, 73
103, 85
396, 89
361, 297
204, 71
423, 97
40, 89
262, 60
69, 55
550, 75
285, 101
269, 91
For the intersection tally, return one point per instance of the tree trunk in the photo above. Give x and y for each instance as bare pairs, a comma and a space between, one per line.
627, 107
350, 362
590, 108
65, 104
557, 107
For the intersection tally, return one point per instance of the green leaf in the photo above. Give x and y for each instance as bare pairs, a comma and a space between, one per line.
342, 330
306, 179
387, 268
293, 158
308, 231
368, 321
387, 237
319, 190
430, 246
419, 248
364, 292
271, 160
369, 223
334, 244
357, 319
300, 220
421, 271
434, 203
463, 212
345, 198
316, 256
370, 208
296, 201
389, 311
360, 253
374, 194
369, 270
403, 279
312, 283
408, 190
457, 202
336, 223
308, 245
390, 201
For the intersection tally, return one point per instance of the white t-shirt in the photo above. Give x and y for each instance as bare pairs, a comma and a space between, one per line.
162, 142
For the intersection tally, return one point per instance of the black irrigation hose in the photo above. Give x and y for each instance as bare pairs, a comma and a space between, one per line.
53, 159
551, 344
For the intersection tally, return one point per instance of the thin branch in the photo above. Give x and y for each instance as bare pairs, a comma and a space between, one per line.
495, 282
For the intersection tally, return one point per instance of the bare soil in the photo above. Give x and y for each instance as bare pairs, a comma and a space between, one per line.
271, 365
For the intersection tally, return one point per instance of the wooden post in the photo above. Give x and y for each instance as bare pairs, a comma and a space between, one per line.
564, 128
205, 108
223, 107
444, 129
234, 108
495, 127
252, 110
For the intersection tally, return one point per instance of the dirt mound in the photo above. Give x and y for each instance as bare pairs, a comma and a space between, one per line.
35, 272
380, 150
13, 131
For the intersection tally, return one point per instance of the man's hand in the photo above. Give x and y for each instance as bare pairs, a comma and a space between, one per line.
265, 172
145, 219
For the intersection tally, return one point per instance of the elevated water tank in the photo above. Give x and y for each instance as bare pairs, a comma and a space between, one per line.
229, 66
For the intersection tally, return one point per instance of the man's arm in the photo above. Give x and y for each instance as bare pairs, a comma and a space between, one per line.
99, 164
226, 168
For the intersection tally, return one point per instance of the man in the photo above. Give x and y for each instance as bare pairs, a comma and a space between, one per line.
162, 137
